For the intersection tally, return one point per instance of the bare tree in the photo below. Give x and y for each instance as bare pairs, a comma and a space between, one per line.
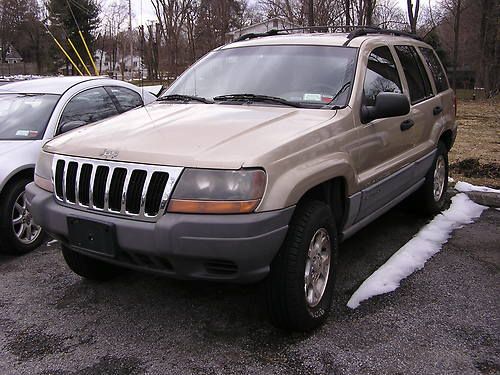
413, 14
389, 15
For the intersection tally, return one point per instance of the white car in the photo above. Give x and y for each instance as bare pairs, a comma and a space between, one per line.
31, 113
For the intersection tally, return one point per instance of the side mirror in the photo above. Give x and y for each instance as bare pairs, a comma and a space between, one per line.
387, 104
70, 125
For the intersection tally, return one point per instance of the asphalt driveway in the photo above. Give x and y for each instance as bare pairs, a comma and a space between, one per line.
444, 319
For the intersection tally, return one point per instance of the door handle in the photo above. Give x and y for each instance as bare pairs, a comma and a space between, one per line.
407, 124
437, 110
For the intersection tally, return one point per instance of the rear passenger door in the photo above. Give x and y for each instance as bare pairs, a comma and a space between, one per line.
422, 99
444, 110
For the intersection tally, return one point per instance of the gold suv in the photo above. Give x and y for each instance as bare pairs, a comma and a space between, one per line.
255, 164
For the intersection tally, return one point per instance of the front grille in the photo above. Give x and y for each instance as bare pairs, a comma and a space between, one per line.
123, 189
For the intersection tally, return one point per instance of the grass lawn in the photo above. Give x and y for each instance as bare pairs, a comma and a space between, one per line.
475, 157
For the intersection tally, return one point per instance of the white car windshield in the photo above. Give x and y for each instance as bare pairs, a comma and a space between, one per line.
309, 76
25, 116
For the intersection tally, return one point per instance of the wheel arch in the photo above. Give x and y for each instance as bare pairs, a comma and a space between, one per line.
447, 138
333, 192
26, 171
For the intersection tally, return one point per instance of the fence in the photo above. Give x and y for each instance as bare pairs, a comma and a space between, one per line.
17, 69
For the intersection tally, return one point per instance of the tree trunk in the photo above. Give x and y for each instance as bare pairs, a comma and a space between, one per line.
310, 13
456, 29
347, 8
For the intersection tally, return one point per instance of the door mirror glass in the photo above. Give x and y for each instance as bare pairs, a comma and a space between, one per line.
387, 104
70, 125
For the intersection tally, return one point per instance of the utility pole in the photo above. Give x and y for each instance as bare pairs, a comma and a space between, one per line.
131, 37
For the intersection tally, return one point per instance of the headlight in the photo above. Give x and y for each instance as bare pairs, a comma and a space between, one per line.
43, 171
218, 191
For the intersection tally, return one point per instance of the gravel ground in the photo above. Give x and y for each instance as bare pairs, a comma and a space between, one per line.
443, 320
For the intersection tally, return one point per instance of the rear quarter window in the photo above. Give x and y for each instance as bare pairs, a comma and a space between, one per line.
436, 69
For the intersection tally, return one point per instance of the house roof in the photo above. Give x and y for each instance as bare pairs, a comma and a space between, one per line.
242, 30
12, 54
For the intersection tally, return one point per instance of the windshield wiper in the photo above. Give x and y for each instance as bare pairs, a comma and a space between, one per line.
184, 98
256, 98
342, 89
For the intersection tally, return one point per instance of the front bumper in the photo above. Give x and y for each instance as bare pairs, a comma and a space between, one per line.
237, 248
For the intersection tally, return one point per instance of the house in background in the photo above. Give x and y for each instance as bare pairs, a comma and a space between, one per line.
261, 27
124, 66
12, 56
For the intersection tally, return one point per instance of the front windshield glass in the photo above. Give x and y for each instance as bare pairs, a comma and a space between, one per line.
310, 75
25, 116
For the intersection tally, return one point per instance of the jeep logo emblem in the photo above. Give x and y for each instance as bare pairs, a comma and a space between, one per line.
109, 154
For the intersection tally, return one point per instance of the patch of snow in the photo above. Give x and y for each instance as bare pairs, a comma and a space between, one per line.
50, 243
450, 179
413, 255
464, 187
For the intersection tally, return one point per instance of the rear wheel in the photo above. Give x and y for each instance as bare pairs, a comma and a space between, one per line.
89, 268
301, 283
19, 234
432, 195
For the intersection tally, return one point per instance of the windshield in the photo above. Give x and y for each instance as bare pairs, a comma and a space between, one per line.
310, 75
25, 116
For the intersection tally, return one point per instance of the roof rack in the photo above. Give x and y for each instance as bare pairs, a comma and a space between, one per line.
366, 30
354, 32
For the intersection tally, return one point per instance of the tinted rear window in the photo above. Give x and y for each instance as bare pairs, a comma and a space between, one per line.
436, 69
416, 76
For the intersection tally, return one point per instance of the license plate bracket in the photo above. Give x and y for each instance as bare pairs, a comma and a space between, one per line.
94, 236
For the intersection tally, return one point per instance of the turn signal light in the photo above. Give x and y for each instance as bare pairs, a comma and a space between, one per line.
212, 207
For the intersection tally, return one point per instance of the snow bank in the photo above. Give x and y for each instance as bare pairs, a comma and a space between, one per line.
413, 255
465, 187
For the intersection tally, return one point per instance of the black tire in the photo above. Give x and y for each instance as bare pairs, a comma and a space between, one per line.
88, 267
286, 296
425, 199
9, 242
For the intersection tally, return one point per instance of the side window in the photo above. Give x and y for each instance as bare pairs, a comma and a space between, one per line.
127, 99
416, 76
436, 69
90, 106
381, 75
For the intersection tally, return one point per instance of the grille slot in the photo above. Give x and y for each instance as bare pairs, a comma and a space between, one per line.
59, 175
153, 197
84, 184
99, 190
116, 189
221, 267
134, 191
122, 189
71, 182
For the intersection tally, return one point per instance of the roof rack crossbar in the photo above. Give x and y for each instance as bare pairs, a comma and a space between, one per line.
354, 32
322, 29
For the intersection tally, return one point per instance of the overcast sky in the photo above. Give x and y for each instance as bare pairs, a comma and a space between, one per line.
144, 8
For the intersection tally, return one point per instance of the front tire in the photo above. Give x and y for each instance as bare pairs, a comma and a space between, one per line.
301, 283
89, 268
18, 233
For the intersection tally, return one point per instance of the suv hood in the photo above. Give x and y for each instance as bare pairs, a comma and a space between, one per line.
191, 135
